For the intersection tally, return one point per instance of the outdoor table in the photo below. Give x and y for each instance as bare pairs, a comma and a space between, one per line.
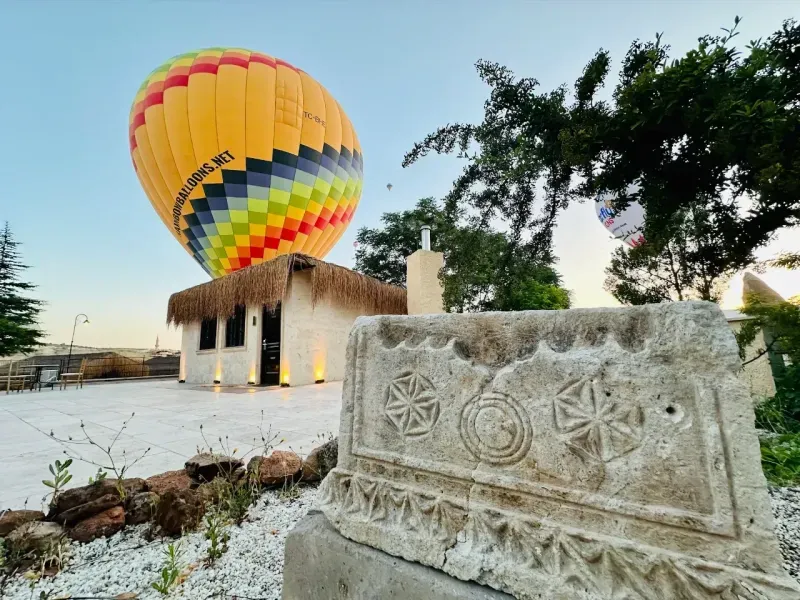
45, 370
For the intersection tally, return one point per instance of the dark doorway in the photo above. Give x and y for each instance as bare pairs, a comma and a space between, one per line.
271, 346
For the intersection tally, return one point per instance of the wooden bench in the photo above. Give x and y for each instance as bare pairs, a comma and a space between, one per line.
17, 383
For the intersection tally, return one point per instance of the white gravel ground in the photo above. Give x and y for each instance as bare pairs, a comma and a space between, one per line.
786, 508
253, 566
127, 562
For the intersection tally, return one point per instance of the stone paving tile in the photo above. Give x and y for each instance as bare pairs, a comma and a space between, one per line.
168, 419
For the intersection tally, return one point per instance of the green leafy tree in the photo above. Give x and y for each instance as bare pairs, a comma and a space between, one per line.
787, 260
514, 158
19, 314
715, 130
484, 269
382, 251
688, 263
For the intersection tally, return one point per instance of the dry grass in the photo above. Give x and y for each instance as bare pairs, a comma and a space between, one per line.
114, 366
265, 284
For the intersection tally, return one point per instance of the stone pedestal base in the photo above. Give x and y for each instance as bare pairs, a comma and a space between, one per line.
321, 564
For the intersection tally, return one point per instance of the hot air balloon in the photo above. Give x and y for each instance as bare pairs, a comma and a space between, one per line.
244, 157
389, 186
627, 225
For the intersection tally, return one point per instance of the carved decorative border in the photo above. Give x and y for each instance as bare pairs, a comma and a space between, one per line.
720, 522
526, 551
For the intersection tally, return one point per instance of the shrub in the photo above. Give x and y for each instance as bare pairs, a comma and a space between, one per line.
780, 459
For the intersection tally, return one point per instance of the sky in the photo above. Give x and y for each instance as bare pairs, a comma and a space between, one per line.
399, 69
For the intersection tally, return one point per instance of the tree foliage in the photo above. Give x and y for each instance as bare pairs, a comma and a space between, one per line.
18, 313
484, 270
787, 260
716, 129
382, 251
688, 263
715, 132
518, 150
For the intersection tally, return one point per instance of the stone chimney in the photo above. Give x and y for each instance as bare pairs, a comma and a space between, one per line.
422, 278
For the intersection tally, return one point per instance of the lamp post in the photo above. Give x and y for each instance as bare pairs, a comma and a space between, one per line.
74, 325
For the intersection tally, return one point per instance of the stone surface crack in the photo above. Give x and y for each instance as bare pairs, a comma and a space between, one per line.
467, 511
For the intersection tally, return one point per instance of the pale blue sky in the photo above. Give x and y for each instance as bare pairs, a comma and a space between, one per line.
399, 69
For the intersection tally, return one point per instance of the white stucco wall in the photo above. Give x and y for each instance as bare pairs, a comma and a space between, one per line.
422, 280
758, 374
313, 338
232, 366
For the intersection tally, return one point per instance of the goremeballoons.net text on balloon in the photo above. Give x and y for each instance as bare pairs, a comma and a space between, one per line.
193, 181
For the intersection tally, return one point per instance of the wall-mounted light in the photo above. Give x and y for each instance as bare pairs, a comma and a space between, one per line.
319, 365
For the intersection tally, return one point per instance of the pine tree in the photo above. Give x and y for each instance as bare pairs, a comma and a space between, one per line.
19, 314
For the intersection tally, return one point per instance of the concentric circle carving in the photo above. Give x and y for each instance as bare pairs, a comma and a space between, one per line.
496, 429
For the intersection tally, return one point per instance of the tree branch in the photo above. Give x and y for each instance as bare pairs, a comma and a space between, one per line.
760, 354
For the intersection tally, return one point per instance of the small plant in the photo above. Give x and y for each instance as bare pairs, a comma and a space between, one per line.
777, 414
233, 500
324, 438
11, 558
54, 557
118, 465
240, 500
216, 535
290, 491
268, 439
61, 477
99, 476
171, 570
780, 459
264, 443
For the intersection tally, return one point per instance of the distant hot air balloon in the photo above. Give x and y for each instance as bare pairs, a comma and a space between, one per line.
627, 225
389, 186
244, 157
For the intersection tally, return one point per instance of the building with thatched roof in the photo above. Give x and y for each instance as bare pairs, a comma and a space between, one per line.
283, 321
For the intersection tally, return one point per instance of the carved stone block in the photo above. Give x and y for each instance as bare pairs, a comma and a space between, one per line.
580, 454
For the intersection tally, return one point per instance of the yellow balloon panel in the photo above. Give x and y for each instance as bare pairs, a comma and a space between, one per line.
244, 157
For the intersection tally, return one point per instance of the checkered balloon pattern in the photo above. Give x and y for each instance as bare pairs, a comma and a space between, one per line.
244, 157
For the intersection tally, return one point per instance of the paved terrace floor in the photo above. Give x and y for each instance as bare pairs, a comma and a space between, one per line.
168, 416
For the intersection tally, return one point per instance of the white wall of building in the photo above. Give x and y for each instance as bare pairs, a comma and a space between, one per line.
757, 374
313, 338
230, 366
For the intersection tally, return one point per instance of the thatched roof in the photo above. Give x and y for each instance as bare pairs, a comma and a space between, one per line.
265, 284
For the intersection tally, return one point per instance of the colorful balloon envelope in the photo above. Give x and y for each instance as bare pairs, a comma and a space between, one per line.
244, 157
626, 225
